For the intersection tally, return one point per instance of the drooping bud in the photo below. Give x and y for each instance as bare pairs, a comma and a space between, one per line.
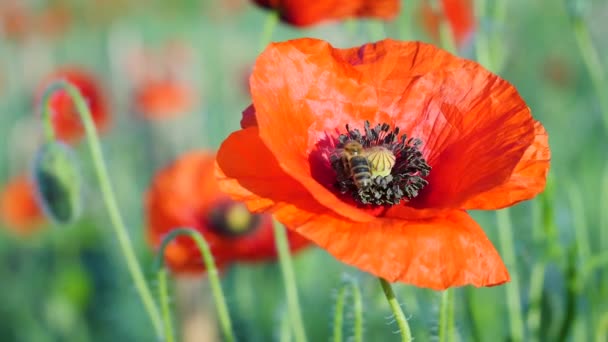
57, 182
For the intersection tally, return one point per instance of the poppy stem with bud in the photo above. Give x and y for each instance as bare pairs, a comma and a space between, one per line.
289, 279
212, 272
404, 327
107, 192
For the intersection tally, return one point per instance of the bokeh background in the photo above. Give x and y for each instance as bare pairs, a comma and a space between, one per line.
70, 283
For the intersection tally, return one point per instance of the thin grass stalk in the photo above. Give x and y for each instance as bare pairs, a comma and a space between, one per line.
447, 331
537, 275
505, 229
579, 222
107, 192
592, 62
289, 278
603, 222
212, 273
601, 332
272, 20
404, 328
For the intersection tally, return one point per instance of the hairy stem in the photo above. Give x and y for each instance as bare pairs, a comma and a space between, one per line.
404, 328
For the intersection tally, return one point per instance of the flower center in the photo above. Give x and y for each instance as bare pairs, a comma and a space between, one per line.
379, 167
232, 219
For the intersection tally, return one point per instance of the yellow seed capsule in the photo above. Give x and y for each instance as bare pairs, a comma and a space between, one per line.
381, 160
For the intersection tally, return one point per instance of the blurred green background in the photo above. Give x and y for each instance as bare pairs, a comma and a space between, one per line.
71, 284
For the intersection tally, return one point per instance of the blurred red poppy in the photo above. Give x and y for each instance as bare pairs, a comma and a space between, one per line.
306, 13
186, 194
458, 14
377, 151
159, 79
66, 121
19, 210
164, 99
18, 20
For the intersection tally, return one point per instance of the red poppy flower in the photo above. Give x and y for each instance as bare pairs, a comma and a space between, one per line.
306, 13
66, 122
376, 153
458, 14
186, 194
159, 79
19, 209
164, 99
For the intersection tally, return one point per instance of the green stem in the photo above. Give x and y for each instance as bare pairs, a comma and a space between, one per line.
349, 284
513, 292
603, 227
289, 279
358, 312
285, 333
404, 328
580, 224
339, 314
593, 64
446, 317
269, 26
537, 279
601, 332
163, 294
212, 273
107, 193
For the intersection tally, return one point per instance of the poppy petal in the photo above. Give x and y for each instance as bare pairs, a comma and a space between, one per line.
527, 180
440, 252
455, 106
306, 13
249, 172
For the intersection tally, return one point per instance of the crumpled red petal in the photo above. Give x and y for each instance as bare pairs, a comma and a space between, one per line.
527, 180
474, 126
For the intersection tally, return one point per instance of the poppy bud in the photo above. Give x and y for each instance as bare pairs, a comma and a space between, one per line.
57, 182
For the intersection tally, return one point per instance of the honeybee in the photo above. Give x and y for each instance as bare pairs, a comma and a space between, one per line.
365, 164
354, 159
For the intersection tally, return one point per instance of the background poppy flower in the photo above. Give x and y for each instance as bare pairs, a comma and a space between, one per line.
66, 122
306, 13
164, 99
458, 15
159, 80
19, 209
478, 137
186, 194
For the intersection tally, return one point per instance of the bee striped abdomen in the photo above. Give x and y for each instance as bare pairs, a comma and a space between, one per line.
360, 171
